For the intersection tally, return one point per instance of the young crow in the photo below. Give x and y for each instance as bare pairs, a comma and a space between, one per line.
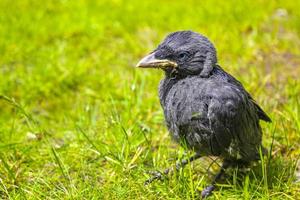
205, 107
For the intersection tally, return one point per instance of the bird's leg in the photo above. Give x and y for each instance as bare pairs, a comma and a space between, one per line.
158, 175
184, 162
208, 190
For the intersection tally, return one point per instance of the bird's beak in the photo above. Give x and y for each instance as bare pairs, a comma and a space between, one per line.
150, 61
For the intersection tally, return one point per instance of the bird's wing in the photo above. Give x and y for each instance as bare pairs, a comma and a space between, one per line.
234, 122
229, 78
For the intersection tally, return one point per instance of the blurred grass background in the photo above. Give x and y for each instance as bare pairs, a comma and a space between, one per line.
77, 121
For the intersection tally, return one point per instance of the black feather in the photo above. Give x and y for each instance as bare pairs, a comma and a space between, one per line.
213, 114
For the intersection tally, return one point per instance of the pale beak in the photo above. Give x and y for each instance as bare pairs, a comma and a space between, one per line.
150, 61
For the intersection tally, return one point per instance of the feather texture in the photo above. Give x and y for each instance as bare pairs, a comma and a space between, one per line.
214, 116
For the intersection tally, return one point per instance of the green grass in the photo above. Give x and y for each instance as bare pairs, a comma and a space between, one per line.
78, 121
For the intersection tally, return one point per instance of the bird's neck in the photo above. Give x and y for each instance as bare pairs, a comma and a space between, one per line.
174, 74
165, 86
172, 78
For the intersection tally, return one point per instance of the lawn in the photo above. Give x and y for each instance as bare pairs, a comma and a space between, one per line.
78, 121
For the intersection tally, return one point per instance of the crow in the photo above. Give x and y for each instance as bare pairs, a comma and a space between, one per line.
204, 107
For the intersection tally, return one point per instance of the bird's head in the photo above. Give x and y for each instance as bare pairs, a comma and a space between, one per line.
181, 53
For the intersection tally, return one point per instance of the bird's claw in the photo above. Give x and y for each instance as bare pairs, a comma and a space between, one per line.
207, 191
156, 175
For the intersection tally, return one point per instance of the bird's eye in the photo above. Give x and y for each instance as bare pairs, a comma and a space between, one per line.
182, 56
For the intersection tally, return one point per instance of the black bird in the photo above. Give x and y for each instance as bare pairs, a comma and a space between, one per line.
205, 107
